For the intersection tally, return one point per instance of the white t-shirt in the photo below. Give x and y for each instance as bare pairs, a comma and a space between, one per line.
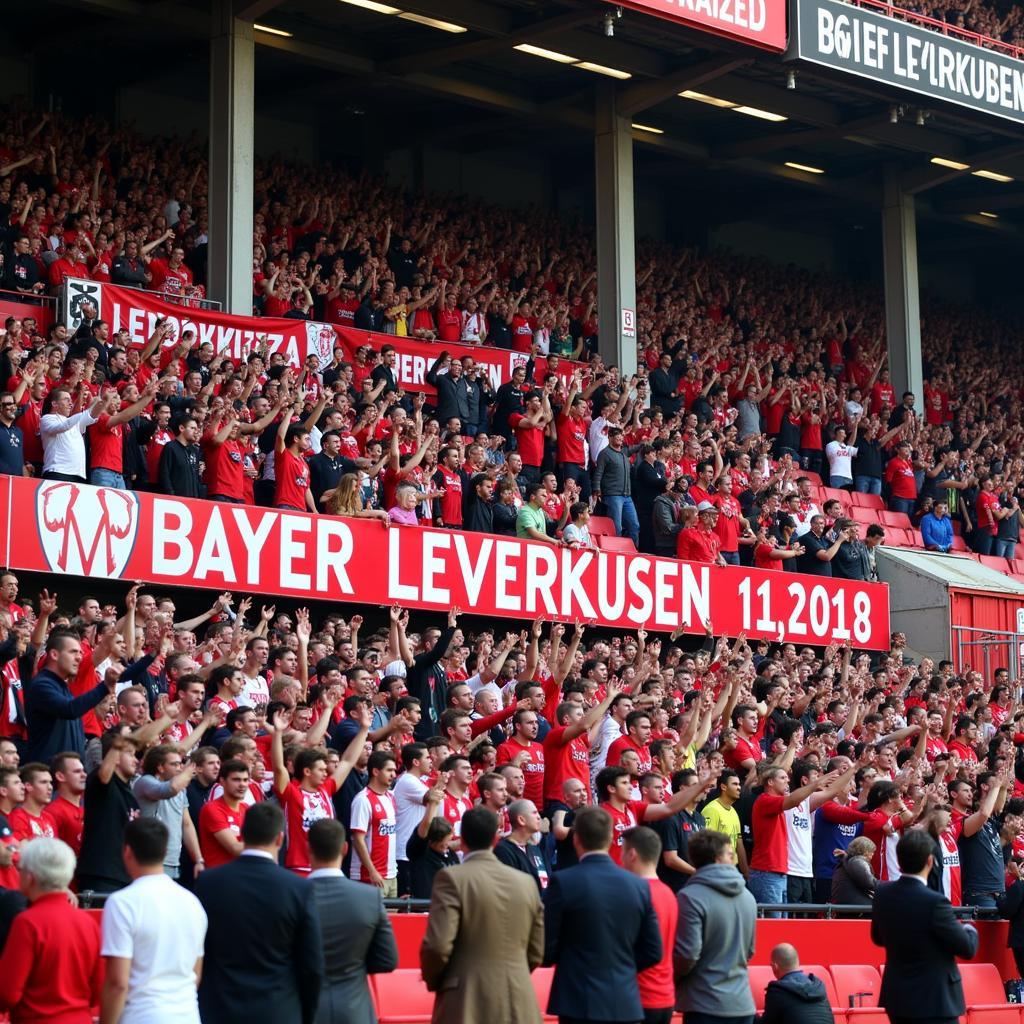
161, 928
840, 459
408, 793
799, 825
256, 691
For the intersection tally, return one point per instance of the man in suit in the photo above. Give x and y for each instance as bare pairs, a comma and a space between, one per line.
264, 959
601, 930
484, 916
922, 939
355, 930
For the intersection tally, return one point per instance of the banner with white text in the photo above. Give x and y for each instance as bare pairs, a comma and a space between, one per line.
758, 22
906, 55
103, 533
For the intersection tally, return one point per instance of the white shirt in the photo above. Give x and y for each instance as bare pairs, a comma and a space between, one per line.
408, 794
161, 928
598, 437
64, 442
256, 691
840, 459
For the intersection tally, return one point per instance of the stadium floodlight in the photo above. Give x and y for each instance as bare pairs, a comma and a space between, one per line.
272, 31
791, 79
537, 51
992, 176
609, 25
601, 69
991, 216
764, 115
422, 19
372, 5
702, 97
804, 167
955, 165
647, 128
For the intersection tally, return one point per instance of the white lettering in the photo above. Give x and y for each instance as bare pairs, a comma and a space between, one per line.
435, 565
574, 594
171, 538
292, 549
215, 554
640, 608
397, 590
541, 573
610, 605
506, 552
254, 541
473, 573
333, 559
696, 594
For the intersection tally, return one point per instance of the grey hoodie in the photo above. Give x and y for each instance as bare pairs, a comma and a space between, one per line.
715, 936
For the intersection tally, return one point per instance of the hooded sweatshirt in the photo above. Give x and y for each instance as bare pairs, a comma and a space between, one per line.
796, 998
716, 933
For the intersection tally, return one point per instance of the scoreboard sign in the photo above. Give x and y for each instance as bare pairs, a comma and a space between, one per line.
908, 56
758, 22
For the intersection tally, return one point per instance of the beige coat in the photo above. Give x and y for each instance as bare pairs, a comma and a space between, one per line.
484, 937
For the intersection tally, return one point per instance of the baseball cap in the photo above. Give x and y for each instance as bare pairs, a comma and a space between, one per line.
706, 506
395, 668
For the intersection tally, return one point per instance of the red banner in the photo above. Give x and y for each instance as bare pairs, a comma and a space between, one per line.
137, 312
415, 358
11, 305
100, 532
759, 22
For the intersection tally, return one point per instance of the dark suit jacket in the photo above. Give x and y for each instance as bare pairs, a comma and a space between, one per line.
601, 930
357, 940
922, 939
264, 959
1011, 904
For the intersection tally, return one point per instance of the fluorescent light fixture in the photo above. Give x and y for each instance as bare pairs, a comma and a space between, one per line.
991, 216
764, 115
992, 176
647, 128
602, 70
952, 164
372, 5
537, 51
804, 167
422, 19
702, 97
272, 31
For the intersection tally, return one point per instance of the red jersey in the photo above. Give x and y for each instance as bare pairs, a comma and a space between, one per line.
626, 743
373, 817
291, 479
630, 816
215, 816
564, 760
453, 808
966, 753
899, 475
171, 282
31, 826
743, 751
532, 765
656, 984
451, 501
225, 465
105, 441
934, 746
522, 335
695, 544
302, 808
449, 324
985, 509
572, 433
728, 526
768, 823
883, 863
68, 821
952, 882
153, 452
530, 440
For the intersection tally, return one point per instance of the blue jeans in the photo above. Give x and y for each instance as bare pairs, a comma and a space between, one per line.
867, 484
905, 505
623, 514
980, 899
732, 557
106, 478
768, 887
839, 481
1004, 548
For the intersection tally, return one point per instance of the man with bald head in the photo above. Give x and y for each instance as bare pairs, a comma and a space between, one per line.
794, 997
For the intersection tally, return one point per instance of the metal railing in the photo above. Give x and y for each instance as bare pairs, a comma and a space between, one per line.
45, 301
937, 25
996, 648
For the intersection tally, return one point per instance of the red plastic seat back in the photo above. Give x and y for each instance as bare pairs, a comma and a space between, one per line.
855, 980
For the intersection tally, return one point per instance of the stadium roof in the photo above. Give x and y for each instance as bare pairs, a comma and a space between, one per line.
954, 570
450, 69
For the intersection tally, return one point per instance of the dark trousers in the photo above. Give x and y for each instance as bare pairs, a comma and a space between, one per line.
67, 477
1018, 957
823, 890
587, 1020
404, 878
707, 1018
574, 471
923, 1020
658, 1016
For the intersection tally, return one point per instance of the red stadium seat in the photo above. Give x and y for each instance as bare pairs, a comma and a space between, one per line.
813, 477
613, 543
402, 997
835, 494
601, 526
867, 516
857, 989
956, 527
1018, 552
985, 997
866, 500
833, 1000
898, 519
1017, 565
959, 544
895, 538
999, 564
759, 977
915, 536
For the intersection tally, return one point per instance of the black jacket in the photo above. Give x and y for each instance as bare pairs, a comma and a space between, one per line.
179, 470
796, 998
1011, 905
530, 861
425, 670
922, 939
452, 396
264, 952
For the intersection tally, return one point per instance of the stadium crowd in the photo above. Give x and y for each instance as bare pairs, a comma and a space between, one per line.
758, 386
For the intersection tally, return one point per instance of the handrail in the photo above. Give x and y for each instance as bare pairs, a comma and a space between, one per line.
937, 25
